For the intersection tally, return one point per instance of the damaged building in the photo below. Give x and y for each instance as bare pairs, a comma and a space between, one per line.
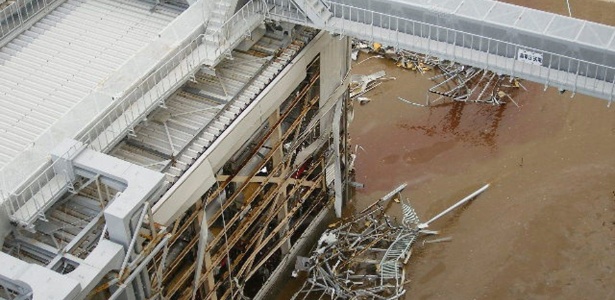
192, 149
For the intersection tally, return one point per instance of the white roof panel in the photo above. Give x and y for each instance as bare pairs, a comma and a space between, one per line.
476, 9
533, 20
564, 27
53, 66
596, 34
504, 14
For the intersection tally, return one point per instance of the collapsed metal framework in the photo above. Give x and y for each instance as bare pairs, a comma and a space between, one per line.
261, 212
226, 142
229, 240
363, 257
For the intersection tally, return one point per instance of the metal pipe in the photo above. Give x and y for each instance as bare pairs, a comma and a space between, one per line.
139, 268
129, 251
462, 201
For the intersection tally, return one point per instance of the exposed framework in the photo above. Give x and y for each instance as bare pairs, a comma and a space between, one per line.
263, 210
288, 172
271, 189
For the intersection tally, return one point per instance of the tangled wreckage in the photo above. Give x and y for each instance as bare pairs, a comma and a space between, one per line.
452, 80
364, 257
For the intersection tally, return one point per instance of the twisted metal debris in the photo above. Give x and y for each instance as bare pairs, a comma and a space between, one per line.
452, 80
364, 257
470, 84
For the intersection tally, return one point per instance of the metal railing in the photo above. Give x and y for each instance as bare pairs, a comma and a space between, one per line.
46, 184
16, 14
552, 69
151, 92
235, 28
126, 113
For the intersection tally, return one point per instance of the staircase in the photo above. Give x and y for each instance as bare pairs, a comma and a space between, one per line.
316, 10
233, 108
390, 265
225, 31
220, 11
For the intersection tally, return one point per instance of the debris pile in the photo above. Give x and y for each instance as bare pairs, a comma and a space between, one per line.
469, 84
453, 80
364, 257
361, 84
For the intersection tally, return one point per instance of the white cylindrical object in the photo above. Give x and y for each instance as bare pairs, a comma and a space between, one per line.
462, 201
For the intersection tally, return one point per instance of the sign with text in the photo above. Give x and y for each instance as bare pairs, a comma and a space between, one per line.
529, 57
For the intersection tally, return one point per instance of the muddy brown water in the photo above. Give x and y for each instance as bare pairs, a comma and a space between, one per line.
545, 229
546, 226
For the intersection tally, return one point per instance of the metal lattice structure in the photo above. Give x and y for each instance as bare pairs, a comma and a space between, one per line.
143, 143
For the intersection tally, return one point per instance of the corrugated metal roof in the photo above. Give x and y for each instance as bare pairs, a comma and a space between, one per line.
55, 64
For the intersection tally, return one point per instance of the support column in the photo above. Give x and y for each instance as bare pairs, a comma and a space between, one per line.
277, 158
202, 255
334, 67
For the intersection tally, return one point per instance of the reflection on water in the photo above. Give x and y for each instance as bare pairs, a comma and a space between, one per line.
470, 123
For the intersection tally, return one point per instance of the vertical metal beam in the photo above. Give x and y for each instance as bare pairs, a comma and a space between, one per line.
140, 268
203, 256
278, 158
337, 183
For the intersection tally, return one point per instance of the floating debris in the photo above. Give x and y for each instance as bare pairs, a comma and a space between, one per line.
363, 100
361, 84
469, 84
453, 80
364, 257
354, 54
440, 240
410, 102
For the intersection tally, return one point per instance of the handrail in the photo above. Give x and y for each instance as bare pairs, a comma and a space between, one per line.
336, 4
18, 13
134, 106
158, 85
584, 72
40, 183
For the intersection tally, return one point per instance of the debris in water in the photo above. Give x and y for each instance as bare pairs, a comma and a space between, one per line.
364, 257
411, 102
363, 100
453, 80
361, 84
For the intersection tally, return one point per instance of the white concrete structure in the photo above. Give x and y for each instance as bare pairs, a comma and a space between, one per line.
178, 150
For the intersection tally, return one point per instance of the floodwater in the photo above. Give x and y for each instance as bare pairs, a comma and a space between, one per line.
546, 226
545, 229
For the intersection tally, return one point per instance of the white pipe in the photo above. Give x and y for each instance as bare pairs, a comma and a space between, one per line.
139, 268
461, 202
130, 250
